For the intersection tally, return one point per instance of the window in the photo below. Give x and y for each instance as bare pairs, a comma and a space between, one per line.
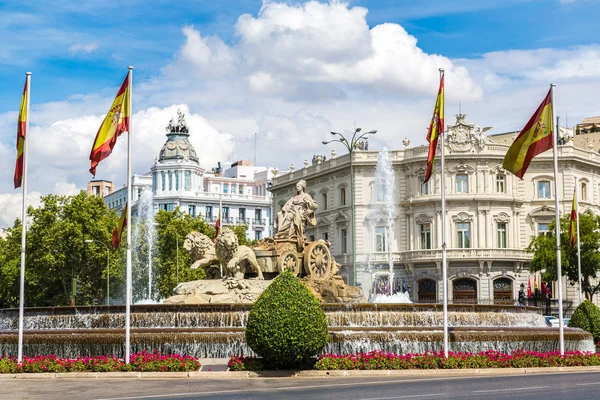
425, 236
170, 180
424, 186
543, 190
163, 207
225, 188
188, 180
342, 196
500, 183
344, 241
501, 233
162, 181
543, 229
324, 196
325, 236
170, 206
257, 234
225, 214
240, 189
208, 212
462, 184
380, 238
583, 191
176, 180
257, 216
242, 214
464, 235
312, 238
192, 210
154, 188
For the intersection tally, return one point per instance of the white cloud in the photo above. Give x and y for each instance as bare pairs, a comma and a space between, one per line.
12, 204
86, 48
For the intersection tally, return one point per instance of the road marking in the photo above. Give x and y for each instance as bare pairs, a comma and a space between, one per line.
412, 396
510, 390
588, 384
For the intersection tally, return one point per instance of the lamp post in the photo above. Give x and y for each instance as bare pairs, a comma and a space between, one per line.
351, 145
107, 268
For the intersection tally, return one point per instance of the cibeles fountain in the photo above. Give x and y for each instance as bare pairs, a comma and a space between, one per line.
207, 318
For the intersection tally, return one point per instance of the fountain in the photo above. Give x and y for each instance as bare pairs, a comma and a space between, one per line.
144, 234
384, 288
199, 322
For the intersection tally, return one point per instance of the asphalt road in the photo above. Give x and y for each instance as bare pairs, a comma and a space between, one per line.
571, 386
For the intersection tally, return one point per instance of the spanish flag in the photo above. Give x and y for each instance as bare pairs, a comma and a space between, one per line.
528, 286
21, 132
573, 225
436, 128
535, 138
115, 123
118, 231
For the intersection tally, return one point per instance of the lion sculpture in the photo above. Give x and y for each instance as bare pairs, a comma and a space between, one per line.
233, 257
202, 250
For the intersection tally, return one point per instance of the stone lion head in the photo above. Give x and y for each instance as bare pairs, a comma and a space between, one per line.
227, 244
197, 244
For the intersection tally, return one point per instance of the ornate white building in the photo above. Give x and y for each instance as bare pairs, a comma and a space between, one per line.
490, 214
177, 180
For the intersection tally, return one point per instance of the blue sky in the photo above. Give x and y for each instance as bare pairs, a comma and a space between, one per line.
289, 71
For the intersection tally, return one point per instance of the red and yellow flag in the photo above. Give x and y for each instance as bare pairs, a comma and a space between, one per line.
118, 231
573, 224
436, 128
21, 128
115, 123
217, 226
535, 287
535, 138
528, 286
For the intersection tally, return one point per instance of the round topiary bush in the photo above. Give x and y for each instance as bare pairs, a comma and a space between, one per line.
286, 326
587, 317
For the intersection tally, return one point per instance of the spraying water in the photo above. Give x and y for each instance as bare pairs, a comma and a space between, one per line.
386, 288
145, 236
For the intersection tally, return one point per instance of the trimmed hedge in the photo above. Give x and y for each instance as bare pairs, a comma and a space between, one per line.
143, 361
286, 326
587, 317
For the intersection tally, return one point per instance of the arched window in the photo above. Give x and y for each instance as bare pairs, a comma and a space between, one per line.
464, 291
427, 289
503, 292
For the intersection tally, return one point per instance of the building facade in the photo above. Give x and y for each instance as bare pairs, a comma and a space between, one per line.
490, 218
237, 192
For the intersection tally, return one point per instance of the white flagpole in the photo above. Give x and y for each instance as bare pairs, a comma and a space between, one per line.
23, 223
444, 267
578, 242
128, 273
557, 217
220, 219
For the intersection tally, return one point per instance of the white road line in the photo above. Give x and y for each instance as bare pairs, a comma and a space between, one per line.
588, 384
412, 396
510, 390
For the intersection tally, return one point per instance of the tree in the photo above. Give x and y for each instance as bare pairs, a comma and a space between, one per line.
57, 255
544, 249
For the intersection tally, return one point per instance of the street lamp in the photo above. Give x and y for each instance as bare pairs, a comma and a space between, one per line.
351, 145
107, 268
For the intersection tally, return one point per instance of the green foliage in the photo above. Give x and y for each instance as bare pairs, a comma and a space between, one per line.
56, 253
586, 317
544, 249
286, 326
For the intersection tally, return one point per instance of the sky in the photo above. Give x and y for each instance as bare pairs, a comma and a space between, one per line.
283, 74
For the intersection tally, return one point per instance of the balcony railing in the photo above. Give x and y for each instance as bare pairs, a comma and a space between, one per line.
464, 254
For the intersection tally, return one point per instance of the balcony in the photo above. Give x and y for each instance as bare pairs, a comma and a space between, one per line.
455, 254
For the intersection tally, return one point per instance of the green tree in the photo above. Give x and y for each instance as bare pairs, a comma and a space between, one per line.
543, 248
56, 253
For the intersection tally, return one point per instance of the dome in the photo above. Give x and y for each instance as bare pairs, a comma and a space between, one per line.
177, 146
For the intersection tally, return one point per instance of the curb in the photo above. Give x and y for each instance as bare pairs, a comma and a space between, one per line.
301, 374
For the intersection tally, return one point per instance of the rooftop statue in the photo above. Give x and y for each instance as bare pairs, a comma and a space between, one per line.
295, 214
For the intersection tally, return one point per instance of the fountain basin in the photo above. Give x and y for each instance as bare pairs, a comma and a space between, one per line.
217, 331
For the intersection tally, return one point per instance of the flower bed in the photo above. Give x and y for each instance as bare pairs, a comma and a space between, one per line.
377, 360
143, 361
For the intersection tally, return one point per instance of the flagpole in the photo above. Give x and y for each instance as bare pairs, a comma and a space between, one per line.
23, 225
557, 217
444, 268
128, 273
578, 242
